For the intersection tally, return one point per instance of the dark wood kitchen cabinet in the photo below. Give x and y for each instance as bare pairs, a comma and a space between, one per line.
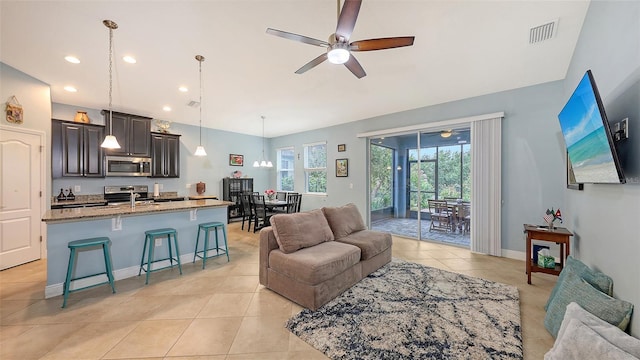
165, 155
133, 133
75, 149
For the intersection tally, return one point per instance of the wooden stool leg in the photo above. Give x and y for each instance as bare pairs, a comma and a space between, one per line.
195, 253
175, 239
67, 282
109, 266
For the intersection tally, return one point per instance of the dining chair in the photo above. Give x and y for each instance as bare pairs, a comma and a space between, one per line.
281, 195
262, 215
293, 203
466, 218
248, 214
441, 217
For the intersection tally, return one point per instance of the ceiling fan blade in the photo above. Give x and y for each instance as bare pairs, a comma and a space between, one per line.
347, 19
354, 66
382, 43
313, 63
296, 37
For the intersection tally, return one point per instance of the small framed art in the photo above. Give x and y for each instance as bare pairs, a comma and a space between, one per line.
342, 167
342, 147
236, 160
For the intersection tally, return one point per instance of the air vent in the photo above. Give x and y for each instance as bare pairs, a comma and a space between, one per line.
193, 104
543, 32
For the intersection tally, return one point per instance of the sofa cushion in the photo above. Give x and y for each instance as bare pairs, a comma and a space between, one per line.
344, 220
608, 332
596, 278
300, 230
575, 289
316, 264
371, 243
581, 342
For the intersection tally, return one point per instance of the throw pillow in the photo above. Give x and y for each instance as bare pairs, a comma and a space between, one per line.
607, 331
300, 230
596, 278
581, 342
344, 220
575, 289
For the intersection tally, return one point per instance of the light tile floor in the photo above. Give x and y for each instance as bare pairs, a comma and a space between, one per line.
217, 313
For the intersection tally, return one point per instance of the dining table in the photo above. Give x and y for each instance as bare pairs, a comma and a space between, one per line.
275, 203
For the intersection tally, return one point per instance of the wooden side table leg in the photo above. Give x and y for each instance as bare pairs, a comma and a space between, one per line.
528, 259
562, 246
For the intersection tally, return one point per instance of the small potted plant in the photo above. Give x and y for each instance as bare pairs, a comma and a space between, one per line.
270, 193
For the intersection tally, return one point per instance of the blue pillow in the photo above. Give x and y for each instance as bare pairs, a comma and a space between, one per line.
575, 289
595, 278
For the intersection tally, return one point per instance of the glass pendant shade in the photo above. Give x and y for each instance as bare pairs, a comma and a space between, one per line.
263, 162
200, 151
110, 142
256, 164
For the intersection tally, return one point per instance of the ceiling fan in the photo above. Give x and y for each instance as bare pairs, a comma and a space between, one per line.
338, 46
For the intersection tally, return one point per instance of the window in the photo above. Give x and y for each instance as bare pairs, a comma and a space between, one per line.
382, 170
285, 165
315, 168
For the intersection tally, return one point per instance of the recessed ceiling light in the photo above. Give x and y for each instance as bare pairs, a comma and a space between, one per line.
70, 88
183, 89
129, 59
72, 59
166, 108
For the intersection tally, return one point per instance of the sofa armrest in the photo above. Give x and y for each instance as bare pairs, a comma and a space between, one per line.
267, 244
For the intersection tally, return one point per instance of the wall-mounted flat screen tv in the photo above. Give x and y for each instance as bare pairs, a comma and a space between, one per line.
588, 137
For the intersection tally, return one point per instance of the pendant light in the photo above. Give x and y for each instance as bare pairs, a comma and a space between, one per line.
263, 163
110, 141
200, 149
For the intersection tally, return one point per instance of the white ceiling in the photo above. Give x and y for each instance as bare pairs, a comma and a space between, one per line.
462, 49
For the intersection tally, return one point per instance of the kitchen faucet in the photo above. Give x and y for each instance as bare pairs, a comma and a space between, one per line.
134, 196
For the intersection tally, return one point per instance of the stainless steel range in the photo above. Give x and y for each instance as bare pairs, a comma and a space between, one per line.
121, 194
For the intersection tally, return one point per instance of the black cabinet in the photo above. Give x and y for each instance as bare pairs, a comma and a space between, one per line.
75, 149
165, 155
232, 190
132, 132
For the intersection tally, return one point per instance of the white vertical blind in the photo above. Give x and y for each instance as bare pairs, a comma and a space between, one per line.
486, 174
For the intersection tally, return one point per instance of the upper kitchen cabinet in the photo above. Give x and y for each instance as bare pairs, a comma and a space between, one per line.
165, 155
75, 149
132, 131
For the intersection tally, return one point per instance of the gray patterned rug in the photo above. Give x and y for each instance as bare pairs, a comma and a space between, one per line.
410, 311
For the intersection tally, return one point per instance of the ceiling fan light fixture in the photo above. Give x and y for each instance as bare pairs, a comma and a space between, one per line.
338, 54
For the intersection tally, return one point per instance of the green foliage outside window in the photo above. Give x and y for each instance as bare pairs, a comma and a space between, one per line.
381, 177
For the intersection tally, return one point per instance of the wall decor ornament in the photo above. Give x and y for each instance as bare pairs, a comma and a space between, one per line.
14, 110
342, 167
236, 160
342, 147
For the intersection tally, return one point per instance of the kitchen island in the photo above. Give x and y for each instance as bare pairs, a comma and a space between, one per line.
125, 226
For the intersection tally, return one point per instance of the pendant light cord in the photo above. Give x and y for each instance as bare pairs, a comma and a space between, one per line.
200, 107
110, 79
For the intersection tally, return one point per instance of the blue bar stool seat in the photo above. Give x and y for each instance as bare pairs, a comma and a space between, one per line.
207, 227
149, 244
85, 244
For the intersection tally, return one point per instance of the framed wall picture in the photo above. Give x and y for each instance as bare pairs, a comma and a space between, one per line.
571, 179
342, 167
342, 147
236, 160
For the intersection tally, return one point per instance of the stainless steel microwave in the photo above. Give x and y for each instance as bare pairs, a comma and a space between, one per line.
127, 166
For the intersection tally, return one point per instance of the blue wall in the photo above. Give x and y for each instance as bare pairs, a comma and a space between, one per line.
606, 218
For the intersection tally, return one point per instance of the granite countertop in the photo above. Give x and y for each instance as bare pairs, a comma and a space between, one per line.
93, 213
199, 197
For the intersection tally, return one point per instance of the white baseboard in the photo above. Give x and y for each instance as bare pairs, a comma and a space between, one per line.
513, 254
57, 289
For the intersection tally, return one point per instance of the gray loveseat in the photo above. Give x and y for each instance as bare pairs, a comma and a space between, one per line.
312, 257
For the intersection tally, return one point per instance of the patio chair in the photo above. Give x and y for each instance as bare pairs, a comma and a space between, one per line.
441, 217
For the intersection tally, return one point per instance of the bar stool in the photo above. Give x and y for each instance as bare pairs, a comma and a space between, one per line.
76, 245
207, 227
149, 244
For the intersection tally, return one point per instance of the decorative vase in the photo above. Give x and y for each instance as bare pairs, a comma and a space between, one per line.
270, 197
81, 117
201, 188
550, 225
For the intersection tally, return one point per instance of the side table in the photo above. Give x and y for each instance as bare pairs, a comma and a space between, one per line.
558, 235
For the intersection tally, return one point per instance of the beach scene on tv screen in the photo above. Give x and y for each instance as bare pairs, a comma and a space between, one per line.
586, 137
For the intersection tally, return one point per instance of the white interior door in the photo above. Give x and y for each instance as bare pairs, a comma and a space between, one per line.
20, 196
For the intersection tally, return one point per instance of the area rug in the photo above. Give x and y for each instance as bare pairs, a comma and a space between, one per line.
410, 311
